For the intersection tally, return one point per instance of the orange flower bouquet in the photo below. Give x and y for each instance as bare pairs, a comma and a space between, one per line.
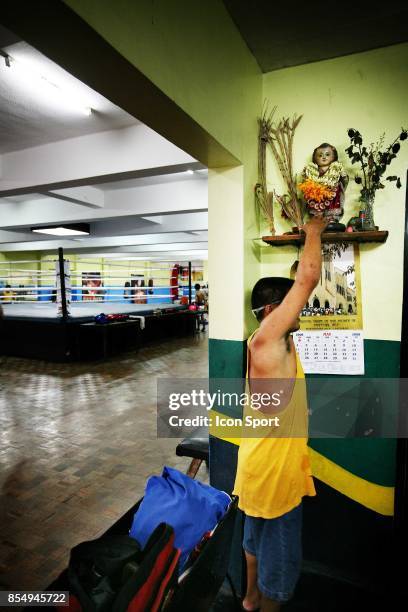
316, 192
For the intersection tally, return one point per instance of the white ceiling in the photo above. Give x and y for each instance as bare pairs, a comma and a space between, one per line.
31, 114
142, 196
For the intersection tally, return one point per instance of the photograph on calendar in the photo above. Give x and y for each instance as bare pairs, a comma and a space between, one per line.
335, 303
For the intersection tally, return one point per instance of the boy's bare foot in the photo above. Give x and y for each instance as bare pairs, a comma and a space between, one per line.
250, 604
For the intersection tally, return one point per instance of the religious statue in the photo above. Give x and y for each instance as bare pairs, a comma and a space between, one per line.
324, 185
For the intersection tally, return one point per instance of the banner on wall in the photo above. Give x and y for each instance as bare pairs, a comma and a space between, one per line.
196, 275
91, 286
336, 301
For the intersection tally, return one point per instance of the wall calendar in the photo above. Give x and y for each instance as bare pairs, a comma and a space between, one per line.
331, 351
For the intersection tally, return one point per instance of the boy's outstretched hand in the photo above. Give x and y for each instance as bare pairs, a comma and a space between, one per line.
316, 225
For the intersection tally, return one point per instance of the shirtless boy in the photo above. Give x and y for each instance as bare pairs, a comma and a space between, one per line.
273, 473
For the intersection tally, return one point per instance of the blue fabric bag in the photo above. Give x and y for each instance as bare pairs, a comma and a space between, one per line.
189, 506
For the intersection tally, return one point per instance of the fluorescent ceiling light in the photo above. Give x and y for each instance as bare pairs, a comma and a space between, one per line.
65, 96
73, 229
189, 171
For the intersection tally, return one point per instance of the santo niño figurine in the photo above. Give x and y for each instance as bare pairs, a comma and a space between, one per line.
324, 185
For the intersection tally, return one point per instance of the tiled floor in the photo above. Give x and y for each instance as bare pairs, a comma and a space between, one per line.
77, 442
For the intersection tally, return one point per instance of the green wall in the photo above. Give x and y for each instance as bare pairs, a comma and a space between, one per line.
20, 272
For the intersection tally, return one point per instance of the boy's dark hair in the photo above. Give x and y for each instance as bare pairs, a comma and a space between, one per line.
324, 145
197, 286
270, 289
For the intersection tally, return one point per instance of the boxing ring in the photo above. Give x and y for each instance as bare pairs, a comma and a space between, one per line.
83, 310
63, 314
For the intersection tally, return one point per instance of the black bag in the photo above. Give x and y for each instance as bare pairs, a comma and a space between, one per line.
113, 574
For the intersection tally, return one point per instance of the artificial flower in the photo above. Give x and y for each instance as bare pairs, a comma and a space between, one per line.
315, 191
330, 178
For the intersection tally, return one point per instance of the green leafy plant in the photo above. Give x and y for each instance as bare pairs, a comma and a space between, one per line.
373, 161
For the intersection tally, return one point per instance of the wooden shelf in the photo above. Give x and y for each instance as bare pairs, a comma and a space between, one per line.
298, 239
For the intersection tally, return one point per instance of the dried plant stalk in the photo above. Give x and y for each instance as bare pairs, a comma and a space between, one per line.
265, 204
281, 143
263, 198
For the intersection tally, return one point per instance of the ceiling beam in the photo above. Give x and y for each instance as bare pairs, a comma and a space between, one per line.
160, 247
77, 161
106, 234
106, 178
146, 200
90, 197
109, 241
73, 245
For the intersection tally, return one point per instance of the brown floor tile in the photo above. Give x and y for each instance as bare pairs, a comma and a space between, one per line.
78, 442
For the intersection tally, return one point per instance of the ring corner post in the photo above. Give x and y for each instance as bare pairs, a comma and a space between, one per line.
189, 284
62, 286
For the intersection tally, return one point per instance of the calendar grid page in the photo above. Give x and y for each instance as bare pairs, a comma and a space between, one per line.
331, 352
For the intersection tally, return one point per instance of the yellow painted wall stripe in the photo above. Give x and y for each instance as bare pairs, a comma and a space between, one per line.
368, 494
